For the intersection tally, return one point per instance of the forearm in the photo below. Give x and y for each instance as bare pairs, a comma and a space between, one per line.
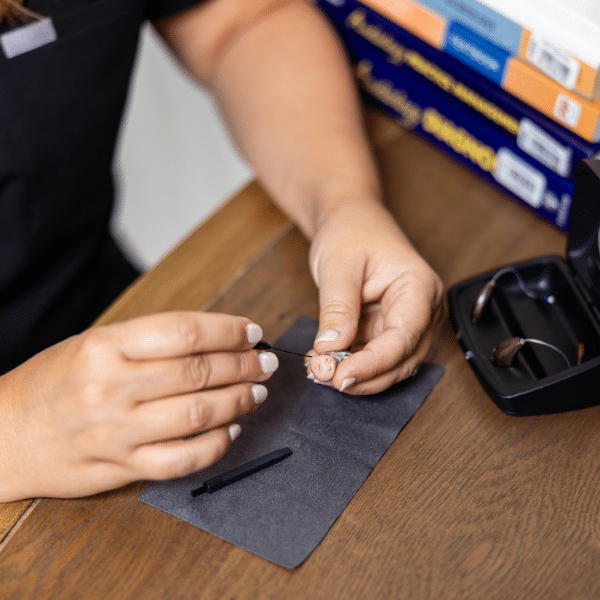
295, 114
286, 90
11, 451
284, 85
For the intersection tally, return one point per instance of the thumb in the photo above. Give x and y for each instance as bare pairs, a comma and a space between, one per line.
339, 312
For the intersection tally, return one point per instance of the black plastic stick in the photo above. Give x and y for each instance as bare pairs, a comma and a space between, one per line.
258, 464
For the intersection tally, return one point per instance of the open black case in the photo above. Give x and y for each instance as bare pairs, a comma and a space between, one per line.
564, 313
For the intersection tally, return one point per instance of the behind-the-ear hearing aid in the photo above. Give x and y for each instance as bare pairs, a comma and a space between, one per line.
486, 292
504, 353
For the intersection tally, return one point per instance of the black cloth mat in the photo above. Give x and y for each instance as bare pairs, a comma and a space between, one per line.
284, 511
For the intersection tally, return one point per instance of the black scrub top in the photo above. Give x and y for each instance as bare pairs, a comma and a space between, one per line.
60, 111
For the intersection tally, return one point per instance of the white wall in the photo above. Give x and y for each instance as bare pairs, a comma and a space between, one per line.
175, 162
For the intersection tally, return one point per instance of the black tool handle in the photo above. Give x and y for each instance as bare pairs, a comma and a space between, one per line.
262, 345
258, 464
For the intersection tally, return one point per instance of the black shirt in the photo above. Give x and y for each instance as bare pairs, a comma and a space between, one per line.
60, 111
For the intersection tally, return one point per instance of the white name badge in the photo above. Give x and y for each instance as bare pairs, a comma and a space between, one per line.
27, 37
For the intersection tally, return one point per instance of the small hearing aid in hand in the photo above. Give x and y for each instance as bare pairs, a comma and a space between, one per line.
321, 367
504, 353
485, 294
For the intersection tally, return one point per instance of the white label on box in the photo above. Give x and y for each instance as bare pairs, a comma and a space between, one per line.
552, 61
564, 210
544, 148
27, 37
567, 110
519, 177
551, 202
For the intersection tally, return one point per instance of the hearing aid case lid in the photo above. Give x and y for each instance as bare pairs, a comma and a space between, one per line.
539, 381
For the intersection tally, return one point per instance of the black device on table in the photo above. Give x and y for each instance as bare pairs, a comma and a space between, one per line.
548, 309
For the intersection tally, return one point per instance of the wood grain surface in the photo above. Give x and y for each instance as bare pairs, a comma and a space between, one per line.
468, 503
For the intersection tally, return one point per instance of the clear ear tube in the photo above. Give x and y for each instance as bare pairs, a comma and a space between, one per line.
504, 353
485, 294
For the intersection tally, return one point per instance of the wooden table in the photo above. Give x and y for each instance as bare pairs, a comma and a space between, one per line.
467, 503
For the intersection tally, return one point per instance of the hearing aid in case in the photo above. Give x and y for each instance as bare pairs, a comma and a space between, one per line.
531, 330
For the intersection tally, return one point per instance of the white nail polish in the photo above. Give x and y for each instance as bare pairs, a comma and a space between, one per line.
328, 335
234, 431
268, 362
254, 333
259, 393
347, 383
310, 376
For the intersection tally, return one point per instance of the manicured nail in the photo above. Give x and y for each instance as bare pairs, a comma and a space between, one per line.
254, 333
347, 383
310, 376
328, 335
268, 362
259, 393
234, 431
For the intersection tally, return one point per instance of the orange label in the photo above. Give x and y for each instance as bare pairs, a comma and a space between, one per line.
413, 17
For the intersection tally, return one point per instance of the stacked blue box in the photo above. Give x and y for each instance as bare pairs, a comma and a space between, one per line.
534, 158
559, 41
466, 136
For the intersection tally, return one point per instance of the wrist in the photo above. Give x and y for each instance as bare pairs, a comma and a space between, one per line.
11, 480
340, 200
358, 215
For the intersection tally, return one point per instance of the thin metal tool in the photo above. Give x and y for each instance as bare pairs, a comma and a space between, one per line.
262, 345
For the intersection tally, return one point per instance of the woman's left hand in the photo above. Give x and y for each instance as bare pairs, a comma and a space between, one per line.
377, 297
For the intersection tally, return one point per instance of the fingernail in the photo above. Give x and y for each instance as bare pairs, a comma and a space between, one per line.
268, 362
310, 376
259, 393
234, 431
347, 383
328, 335
254, 333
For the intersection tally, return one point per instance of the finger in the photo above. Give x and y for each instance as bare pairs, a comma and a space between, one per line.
383, 381
370, 325
176, 458
377, 357
190, 414
339, 302
151, 380
397, 329
365, 371
167, 335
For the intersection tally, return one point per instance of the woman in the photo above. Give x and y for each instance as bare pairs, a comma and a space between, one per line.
157, 397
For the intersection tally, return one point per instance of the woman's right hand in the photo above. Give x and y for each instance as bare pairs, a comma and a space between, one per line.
155, 397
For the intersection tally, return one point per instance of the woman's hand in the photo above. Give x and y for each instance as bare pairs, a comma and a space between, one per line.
150, 398
286, 89
377, 296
